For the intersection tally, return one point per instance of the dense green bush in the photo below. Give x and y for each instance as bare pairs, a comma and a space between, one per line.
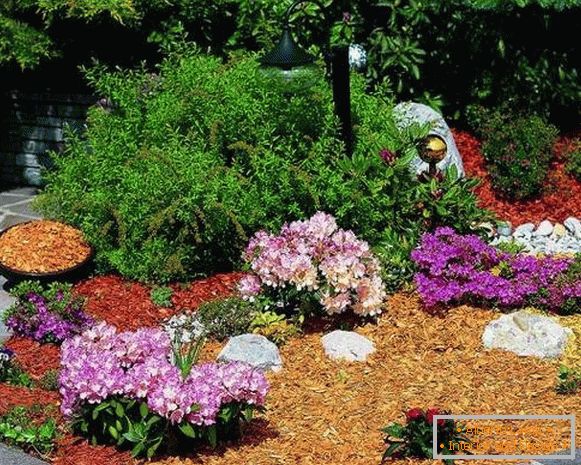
518, 149
224, 318
573, 166
172, 179
445, 53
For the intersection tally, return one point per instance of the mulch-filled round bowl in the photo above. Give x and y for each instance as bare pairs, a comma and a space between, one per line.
45, 251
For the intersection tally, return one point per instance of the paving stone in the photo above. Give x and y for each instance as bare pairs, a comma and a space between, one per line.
9, 199
22, 208
28, 191
10, 456
11, 220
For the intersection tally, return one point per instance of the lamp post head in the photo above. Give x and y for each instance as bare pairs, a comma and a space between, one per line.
287, 54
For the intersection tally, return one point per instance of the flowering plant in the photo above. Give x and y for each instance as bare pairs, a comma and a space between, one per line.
46, 315
123, 388
455, 268
414, 439
10, 372
315, 259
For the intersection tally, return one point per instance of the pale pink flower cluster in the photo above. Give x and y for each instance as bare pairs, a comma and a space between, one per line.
101, 363
316, 256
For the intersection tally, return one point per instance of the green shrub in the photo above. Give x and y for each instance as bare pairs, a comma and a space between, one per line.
568, 380
161, 296
518, 151
21, 427
573, 166
275, 327
225, 318
49, 381
191, 161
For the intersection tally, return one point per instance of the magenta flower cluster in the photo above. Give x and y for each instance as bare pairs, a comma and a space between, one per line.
316, 256
37, 317
454, 268
101, 363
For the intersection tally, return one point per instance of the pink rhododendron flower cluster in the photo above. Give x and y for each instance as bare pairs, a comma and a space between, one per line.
316, 256
101, 363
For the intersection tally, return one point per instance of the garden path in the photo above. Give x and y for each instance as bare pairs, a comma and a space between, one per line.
15, 207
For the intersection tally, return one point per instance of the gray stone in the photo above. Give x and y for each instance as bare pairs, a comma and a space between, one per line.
504, 229
253, 349
573, 225
347, 345
10, 456
526, 334
544, 229
524, 229
408, 113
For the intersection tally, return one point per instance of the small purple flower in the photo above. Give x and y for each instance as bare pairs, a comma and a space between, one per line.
388, 156
455, 268
346, 17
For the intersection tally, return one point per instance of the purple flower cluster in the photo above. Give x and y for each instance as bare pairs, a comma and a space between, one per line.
455, 268
101, 363
316, 256
45, 320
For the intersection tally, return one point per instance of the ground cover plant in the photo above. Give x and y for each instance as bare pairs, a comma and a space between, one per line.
30, 428
10, 372
453, 268
46, 315
237, 155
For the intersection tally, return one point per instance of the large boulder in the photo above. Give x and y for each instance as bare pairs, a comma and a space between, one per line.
408, 113
253, 349
347, 345
527, 334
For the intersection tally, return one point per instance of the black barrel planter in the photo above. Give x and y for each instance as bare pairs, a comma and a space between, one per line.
70, 275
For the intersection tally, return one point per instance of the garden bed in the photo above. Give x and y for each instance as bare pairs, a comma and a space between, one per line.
318, 410
561, 193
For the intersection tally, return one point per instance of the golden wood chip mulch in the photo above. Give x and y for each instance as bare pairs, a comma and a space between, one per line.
326, 412
42, 246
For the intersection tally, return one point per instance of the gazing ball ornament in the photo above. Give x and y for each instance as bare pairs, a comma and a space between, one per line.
433, 149
357, 57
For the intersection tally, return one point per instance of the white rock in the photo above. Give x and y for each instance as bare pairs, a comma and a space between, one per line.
347, 345
253, 349
544, 229
408, 113
504, 229
526, 334
524, 229
573, 225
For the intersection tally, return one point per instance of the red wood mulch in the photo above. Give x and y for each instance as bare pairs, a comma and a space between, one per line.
35, 358
127, 305
560, 198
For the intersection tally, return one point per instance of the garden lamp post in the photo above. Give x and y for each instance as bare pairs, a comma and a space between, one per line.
288, 55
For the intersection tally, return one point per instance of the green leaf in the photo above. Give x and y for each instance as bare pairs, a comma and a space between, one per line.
119, 411
395, 430
212, 435
188, 430
143, 410
137, 450
113, 432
